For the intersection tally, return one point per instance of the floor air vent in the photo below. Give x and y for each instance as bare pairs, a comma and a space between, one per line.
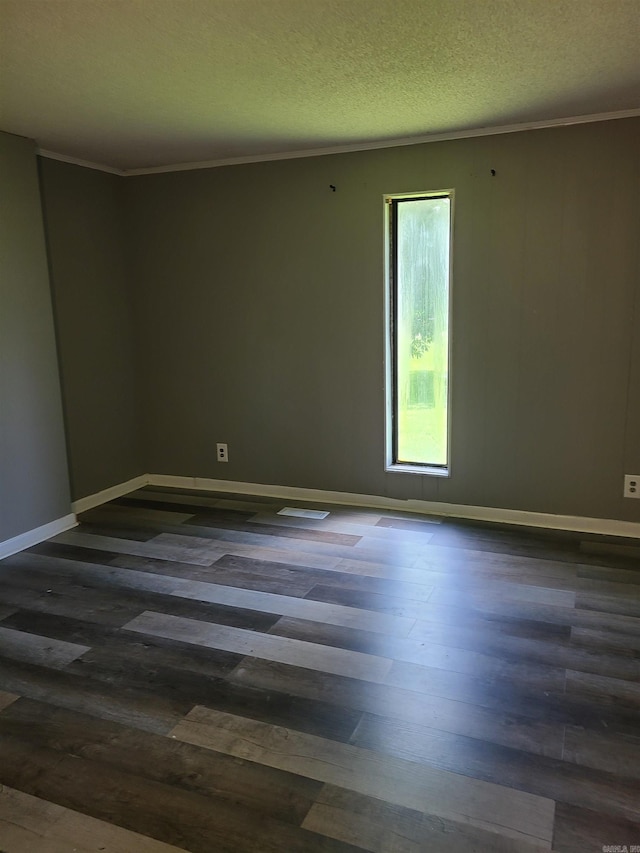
302, 513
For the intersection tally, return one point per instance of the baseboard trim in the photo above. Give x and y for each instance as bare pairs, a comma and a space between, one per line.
574, 523
110, 494
578, 524
37, 535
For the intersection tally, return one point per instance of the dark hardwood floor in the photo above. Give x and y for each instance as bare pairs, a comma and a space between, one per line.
190, 671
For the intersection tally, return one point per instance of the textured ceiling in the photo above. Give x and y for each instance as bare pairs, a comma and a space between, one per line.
142, 83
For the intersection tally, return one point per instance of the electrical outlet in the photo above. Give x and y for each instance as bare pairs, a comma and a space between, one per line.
632, 485
222, 452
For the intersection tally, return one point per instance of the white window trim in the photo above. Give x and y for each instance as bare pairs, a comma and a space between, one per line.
390, 465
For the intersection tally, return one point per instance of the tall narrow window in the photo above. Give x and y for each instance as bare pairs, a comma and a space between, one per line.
419, 235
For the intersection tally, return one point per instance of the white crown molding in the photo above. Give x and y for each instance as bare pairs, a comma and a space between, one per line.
110, 494
37, 535
393, 143
578, 524
75, 161
350, 148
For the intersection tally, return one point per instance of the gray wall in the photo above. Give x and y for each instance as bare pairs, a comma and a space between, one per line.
260, 318
34, 488
93, 310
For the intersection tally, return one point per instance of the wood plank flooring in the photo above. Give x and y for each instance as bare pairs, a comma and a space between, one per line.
190, 671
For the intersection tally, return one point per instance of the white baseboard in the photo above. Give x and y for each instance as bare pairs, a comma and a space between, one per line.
109, 494
578, 524
38, 534
171, 481
498, 515
575, 523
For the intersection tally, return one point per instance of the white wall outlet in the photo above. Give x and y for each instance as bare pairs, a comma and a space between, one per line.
222, 452
632, 485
